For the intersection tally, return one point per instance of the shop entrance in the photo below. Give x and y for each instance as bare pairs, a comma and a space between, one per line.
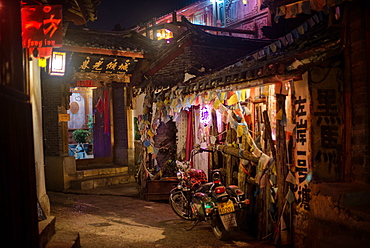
89, 126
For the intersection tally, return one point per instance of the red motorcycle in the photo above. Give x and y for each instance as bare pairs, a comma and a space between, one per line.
196, 199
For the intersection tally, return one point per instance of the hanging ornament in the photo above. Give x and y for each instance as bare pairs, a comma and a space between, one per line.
42, 62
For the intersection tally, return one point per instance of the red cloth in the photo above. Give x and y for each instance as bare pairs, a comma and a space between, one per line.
189, 135
106, 111
100, 106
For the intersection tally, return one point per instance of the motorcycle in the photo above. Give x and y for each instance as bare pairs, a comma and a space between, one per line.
189, 181
196, 199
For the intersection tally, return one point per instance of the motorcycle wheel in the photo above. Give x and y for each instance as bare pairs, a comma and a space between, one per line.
219, 230
179, 205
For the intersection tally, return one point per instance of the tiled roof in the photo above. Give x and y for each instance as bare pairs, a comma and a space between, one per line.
112, 40
290, 59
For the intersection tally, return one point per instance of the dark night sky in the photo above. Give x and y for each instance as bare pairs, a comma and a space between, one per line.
129, 13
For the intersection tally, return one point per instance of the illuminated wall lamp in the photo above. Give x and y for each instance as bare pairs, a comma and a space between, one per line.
57, 64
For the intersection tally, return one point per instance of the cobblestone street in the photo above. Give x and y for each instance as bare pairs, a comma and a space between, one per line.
117, 217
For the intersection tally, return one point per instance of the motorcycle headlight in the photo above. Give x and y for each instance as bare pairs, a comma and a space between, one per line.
179, 175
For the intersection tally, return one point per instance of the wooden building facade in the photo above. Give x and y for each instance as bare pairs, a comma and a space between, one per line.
288, 122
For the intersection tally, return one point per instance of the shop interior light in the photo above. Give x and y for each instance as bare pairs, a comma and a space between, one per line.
205, 115
57, 64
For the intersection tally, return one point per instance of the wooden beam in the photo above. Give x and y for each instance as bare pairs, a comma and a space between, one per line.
203, 27
133, 55
236, 152
226, 30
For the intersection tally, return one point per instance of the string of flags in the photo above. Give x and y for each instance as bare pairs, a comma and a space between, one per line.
289, 38
304, 7
168, 105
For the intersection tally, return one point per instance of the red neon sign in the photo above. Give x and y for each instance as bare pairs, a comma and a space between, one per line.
42, 26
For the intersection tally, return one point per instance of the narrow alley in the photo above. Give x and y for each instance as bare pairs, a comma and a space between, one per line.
117, 217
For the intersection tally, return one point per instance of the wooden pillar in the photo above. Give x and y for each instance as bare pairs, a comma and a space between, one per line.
174, 17
281, 166
154, 28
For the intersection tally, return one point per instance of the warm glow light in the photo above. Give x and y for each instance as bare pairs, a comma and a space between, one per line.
164, 34
205, 115
57, 64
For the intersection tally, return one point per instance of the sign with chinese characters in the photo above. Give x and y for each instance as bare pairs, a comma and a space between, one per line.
302, 153
41, 26
328, 129
205, 115
103, 64
64, 118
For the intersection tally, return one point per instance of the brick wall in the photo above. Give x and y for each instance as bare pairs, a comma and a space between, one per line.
52, 91
120, 124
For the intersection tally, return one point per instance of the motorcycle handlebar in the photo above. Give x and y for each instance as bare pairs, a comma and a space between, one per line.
205, 150
200, 150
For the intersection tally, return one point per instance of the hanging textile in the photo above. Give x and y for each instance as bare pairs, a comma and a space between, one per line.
100, 106
189, 135
106, 111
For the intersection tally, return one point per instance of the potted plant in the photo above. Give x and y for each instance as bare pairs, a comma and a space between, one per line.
80, 135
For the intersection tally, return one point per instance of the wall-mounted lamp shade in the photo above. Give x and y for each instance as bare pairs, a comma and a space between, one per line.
57, 64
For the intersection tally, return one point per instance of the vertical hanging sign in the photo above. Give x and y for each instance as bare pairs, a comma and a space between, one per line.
302, 153
41, 26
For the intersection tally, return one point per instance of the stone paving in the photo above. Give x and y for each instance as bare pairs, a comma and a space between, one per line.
117, 217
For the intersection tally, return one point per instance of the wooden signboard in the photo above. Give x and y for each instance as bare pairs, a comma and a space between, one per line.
64, 118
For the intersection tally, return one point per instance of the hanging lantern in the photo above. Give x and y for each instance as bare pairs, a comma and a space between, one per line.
42, 62
57, 65
41, 52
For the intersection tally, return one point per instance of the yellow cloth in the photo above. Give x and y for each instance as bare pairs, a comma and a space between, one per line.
232, 100
216, 104
174, 103
240, 130
150, 133
242, 95
150, 149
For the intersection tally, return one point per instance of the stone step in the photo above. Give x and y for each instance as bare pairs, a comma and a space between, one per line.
101, 181
64, 239
96, 172
46, 230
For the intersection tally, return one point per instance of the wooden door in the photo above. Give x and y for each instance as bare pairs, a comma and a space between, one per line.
102, 134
